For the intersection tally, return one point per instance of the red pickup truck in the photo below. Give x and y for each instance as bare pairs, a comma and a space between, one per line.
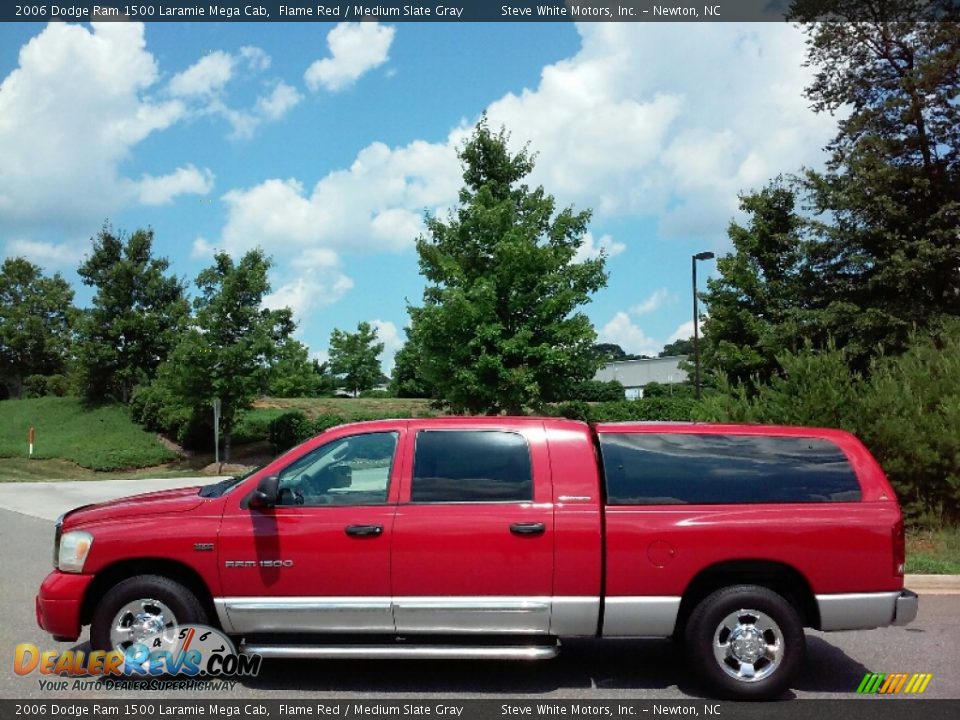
499, 537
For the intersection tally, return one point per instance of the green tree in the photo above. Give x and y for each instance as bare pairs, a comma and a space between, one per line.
137, 314
889, 199
36, 317
677, 347
229, 348
408, 380
609, 352
760, 296
292, 373
499, 328
355, 357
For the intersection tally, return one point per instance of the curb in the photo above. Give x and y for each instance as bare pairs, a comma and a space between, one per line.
933, 584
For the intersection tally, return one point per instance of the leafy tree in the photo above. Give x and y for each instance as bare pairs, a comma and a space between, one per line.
228, 350
137, 314
609, 352
890, 196
677, 347
499, 328
36, 316
761, 291
408, 380
877, 254
292, 374
355, 357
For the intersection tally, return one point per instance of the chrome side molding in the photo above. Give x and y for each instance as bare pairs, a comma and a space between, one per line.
397, 652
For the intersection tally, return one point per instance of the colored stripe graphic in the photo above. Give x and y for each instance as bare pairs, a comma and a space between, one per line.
894, 683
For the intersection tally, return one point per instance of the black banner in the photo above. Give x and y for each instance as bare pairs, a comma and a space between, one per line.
510, 708
395, 11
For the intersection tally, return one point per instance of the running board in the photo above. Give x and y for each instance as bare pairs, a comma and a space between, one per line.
404, 652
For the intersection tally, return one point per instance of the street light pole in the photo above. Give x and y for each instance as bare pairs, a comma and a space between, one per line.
696, 318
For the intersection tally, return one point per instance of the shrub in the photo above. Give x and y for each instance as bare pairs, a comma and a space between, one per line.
289, 429
598, 391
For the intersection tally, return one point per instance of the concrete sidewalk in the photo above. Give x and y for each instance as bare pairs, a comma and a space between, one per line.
933, 584
49, 500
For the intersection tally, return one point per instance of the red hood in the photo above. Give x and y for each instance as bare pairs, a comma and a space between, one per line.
154, 503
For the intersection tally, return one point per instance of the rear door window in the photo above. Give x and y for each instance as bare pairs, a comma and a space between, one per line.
471, 466
681, 468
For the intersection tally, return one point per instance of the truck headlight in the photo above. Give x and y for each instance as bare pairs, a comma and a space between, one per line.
74, 548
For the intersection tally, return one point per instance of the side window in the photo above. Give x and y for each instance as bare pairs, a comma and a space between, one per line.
681, 468
353, 470
471, 466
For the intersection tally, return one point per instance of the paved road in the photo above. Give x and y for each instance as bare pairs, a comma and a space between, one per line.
649, 669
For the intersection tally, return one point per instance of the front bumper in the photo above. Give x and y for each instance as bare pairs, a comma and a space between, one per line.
905, 611
59, 602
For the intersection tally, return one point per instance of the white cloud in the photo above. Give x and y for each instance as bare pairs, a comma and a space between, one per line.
161, 190
46, 254
392, 340
355, 48
685, 331
81, 94
279, 102
203, 85
654, 302
256, 59
304, 294
641, 121
621, 331
591, 249
207, 76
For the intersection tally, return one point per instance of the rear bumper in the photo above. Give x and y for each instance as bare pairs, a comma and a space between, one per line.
906, 610
58, 604
863, 611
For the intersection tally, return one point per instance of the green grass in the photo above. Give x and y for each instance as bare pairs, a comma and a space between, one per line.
24, 470
934, 551
348, 408
100, 438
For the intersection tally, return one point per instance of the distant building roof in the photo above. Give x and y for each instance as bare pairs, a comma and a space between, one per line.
637, 373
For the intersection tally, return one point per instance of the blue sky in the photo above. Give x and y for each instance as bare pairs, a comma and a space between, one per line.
325, 145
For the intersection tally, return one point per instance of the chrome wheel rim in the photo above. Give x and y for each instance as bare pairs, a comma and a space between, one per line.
748, 645
140, 619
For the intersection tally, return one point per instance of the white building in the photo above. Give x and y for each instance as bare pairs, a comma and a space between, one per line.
634, 374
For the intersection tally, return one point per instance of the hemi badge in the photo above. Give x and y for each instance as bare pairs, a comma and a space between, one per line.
203, 547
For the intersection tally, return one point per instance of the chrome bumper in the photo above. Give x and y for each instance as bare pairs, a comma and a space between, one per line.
906, 611
862, 611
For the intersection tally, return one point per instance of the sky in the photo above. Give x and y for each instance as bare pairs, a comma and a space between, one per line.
327, 144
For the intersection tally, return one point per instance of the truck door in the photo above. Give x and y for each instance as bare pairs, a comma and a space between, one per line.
320, 560
473, 535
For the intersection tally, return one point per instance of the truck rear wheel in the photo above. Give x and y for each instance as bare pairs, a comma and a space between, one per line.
746, 642
141, 606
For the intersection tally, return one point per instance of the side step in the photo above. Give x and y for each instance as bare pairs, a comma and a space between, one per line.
401, 652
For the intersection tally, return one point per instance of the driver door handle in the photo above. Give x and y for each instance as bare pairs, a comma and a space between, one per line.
364, 530
529, 528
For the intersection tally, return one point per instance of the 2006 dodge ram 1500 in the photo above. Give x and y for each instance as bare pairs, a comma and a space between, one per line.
498, 537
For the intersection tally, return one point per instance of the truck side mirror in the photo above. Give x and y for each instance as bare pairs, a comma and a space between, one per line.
265, 496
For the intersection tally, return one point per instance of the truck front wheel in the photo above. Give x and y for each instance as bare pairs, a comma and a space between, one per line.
746, 642
142, 606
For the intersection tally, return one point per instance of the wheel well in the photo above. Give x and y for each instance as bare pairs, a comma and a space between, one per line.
113, 574
779, 577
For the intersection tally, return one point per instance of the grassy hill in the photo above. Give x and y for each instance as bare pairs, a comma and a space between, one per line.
348, 408
102, 437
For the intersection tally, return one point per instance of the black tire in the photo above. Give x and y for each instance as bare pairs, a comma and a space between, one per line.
184, 605
773, 671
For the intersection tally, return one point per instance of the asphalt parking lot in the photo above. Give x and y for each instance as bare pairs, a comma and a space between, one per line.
637, 670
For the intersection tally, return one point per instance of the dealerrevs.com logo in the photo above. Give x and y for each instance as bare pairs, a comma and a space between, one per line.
894, 683
186, 650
